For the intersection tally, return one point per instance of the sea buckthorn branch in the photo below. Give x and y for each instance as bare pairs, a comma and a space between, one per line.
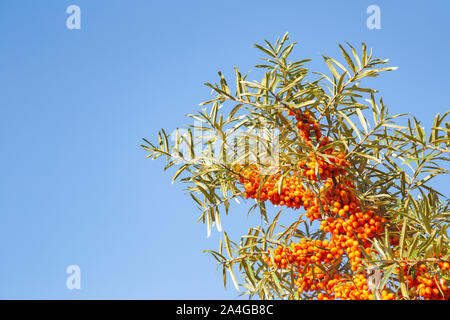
338, 84
367, 233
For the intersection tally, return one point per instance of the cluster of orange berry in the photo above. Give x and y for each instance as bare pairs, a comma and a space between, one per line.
350, 226
356, 290
426, 284
304, 253
291, 194
335, 286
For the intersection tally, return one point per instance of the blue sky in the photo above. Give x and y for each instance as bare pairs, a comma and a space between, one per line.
76, 188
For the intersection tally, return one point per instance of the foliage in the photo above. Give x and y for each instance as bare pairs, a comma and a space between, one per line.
331, 132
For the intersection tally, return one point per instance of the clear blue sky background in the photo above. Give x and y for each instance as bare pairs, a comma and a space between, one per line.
76, 187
